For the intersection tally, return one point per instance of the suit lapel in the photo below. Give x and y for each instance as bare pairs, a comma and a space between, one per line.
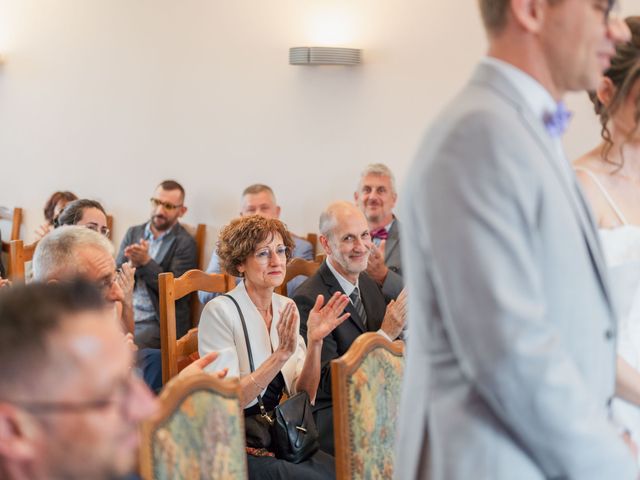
334, 286
392, 240
490, 78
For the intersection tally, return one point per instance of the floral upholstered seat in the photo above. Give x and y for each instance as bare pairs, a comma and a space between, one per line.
366, 401
200, 437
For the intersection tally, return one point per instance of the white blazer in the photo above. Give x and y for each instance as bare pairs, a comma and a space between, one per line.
220, 330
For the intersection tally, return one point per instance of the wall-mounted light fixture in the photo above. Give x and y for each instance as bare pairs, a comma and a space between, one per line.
324, 56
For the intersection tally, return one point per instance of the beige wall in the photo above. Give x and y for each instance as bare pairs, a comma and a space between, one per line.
108, 97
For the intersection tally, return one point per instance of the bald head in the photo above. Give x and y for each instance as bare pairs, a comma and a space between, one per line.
344, 235
336, 213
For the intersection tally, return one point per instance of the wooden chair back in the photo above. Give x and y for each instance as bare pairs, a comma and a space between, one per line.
110, 226
296, 267
19, 255
198, 431
312, 238
199, 234
176, 354
15, 217
365, 385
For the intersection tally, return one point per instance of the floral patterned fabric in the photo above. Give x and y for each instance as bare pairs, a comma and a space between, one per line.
203, 439
374, 401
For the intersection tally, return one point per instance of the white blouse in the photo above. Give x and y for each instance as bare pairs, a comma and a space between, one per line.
220, 329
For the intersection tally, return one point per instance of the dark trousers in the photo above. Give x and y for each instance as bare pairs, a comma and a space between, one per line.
319, 467
324, 421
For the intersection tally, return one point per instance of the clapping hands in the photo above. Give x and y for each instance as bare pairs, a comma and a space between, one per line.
288, 330
324, 319
138, 253
395, 316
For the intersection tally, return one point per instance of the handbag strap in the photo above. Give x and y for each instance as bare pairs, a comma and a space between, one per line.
263, 411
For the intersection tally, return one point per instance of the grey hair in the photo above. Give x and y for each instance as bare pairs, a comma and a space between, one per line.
56, 252
329, 219
381, 170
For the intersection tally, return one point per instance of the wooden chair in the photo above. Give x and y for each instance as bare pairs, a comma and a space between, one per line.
15, 217
295, 268
199, 234
198, 432
110, 226
365, 385
312, 238
178, 353
19, 255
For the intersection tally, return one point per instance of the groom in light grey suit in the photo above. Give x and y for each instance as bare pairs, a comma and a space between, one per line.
511, 358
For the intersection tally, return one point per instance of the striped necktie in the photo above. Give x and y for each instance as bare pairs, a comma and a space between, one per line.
359, 307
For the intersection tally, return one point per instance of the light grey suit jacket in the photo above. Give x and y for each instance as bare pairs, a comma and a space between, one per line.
511, 358
393, 284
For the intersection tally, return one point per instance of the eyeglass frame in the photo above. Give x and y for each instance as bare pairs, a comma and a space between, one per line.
155, 203
123, 392
283, 256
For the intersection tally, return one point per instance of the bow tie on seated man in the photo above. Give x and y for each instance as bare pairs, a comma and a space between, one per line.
376, 197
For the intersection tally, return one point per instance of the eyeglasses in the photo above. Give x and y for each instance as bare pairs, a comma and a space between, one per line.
264, 255
166, 205
96, 228
121, 395
106, 283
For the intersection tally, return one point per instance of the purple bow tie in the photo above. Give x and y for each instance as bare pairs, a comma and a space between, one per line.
380, 233
557, 122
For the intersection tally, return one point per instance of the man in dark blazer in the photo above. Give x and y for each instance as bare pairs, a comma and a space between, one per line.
344, 235
376, 196
157, 246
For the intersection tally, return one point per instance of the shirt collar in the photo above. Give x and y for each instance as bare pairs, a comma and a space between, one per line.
346, 285
148, 234
537, 98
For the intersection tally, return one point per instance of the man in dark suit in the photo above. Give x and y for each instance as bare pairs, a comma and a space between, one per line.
344, 235
157, 246
376, 196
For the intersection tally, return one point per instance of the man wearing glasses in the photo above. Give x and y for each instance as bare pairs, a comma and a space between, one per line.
70, 405
157, 246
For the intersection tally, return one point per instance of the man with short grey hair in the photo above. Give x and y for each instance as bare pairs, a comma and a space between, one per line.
376, 196
70, 251
344, 235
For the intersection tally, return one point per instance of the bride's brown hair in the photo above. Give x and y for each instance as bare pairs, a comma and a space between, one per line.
623, 73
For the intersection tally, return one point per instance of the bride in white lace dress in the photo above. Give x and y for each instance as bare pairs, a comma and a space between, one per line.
610, 177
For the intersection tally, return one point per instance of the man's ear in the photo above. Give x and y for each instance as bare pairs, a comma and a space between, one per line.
18, 433
605, 91
324, 241
183, 210
529, 14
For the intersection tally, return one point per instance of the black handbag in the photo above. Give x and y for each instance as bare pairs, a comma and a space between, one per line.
291, 427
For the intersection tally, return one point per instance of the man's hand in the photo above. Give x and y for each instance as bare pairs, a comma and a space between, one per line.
4, 282
395, 316
138, 253
376, 268
126, 279
199, 365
